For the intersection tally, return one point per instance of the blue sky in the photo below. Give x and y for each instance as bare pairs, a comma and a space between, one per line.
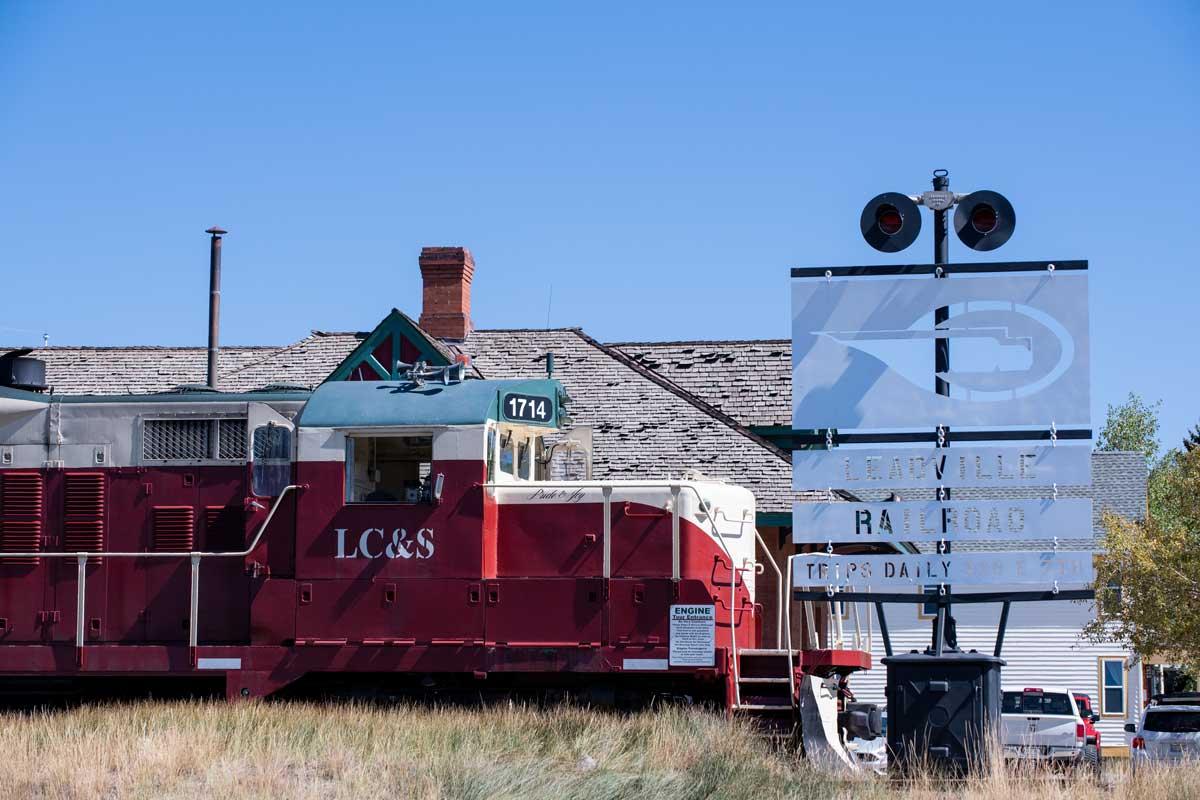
660, 165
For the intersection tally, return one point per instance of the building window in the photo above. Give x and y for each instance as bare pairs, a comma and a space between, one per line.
929, 609
1112, 687
194, 439
389, 469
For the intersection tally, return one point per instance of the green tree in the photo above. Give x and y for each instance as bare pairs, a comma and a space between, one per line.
1133, 426
1192, 441
1156, 565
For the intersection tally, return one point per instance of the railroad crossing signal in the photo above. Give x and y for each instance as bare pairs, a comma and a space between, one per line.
983, 220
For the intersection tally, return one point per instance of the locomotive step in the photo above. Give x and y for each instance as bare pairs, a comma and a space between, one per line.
763, 680
761, 708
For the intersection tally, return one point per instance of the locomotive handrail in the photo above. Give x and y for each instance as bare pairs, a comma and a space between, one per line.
195, 556
778, 587
165, 554
606, 488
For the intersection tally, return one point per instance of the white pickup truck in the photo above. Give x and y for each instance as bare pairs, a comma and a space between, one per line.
1043, 724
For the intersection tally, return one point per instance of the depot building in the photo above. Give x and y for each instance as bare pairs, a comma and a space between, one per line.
658, 410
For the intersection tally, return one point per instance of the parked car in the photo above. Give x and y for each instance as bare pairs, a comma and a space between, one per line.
1087, 713
1045, 724
1169, 730
871, 753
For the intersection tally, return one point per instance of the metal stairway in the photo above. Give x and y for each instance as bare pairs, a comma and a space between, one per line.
766, 693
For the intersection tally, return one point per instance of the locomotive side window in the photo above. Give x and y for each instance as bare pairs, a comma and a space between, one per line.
389, 469
272, 450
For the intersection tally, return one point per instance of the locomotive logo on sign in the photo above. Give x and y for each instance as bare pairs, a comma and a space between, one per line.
860, 352
378, 543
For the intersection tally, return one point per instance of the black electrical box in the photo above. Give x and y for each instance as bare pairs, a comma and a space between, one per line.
943, 711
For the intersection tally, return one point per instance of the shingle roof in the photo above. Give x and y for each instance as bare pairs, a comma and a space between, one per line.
304, 363
135, 370
749, 380
644, 425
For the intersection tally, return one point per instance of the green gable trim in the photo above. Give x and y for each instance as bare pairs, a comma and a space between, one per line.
394, 328
773, 519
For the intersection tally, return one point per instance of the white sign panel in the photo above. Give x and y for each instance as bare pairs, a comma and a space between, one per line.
862, 351
949, 520
1073, 568
693, 636
950, 467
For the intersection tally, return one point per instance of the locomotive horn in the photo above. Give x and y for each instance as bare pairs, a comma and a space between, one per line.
984, 220
890, 222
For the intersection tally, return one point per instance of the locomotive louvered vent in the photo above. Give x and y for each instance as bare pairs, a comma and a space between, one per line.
194, 439
21, 494
174, 528
83, 528
20, 516
224, 528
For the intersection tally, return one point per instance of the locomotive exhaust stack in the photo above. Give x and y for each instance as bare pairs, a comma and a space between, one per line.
214, 302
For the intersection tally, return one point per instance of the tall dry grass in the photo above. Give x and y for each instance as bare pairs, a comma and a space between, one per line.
280, 750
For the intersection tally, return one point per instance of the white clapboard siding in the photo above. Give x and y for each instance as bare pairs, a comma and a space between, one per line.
1042, 646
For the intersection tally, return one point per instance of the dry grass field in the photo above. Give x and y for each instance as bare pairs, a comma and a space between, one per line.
296, 750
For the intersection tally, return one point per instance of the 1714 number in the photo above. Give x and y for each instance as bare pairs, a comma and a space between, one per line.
526, 407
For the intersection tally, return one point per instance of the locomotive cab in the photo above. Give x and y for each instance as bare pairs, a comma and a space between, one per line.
464, 511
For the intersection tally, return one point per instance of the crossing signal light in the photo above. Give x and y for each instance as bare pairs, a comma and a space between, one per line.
890, 222
984, 220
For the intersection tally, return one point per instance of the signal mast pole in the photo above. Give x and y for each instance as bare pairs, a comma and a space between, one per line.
941, 366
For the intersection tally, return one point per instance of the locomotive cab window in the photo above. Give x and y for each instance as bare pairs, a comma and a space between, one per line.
515, 454
271, 450
389, 469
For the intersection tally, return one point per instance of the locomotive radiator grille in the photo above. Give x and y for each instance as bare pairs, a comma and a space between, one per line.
194, 439
177, 439
174, 528
231, 439
21, 496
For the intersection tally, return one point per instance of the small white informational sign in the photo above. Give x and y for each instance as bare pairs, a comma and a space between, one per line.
693, 635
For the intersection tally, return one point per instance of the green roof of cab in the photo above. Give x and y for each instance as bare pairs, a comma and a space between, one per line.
367, 404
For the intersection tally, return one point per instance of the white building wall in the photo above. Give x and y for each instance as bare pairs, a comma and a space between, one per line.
1043, 647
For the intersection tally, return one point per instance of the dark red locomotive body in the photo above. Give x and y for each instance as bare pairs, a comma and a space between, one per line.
441, 529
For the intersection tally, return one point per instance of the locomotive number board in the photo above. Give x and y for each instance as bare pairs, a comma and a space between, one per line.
527, 408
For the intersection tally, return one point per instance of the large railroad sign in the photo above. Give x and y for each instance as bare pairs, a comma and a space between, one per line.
862, 338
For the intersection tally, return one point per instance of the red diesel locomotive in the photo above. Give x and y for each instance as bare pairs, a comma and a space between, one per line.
428, 530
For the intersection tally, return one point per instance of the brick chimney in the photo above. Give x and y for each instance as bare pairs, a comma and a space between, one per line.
446, 274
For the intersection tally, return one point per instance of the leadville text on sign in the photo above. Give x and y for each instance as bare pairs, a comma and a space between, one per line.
931, 467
